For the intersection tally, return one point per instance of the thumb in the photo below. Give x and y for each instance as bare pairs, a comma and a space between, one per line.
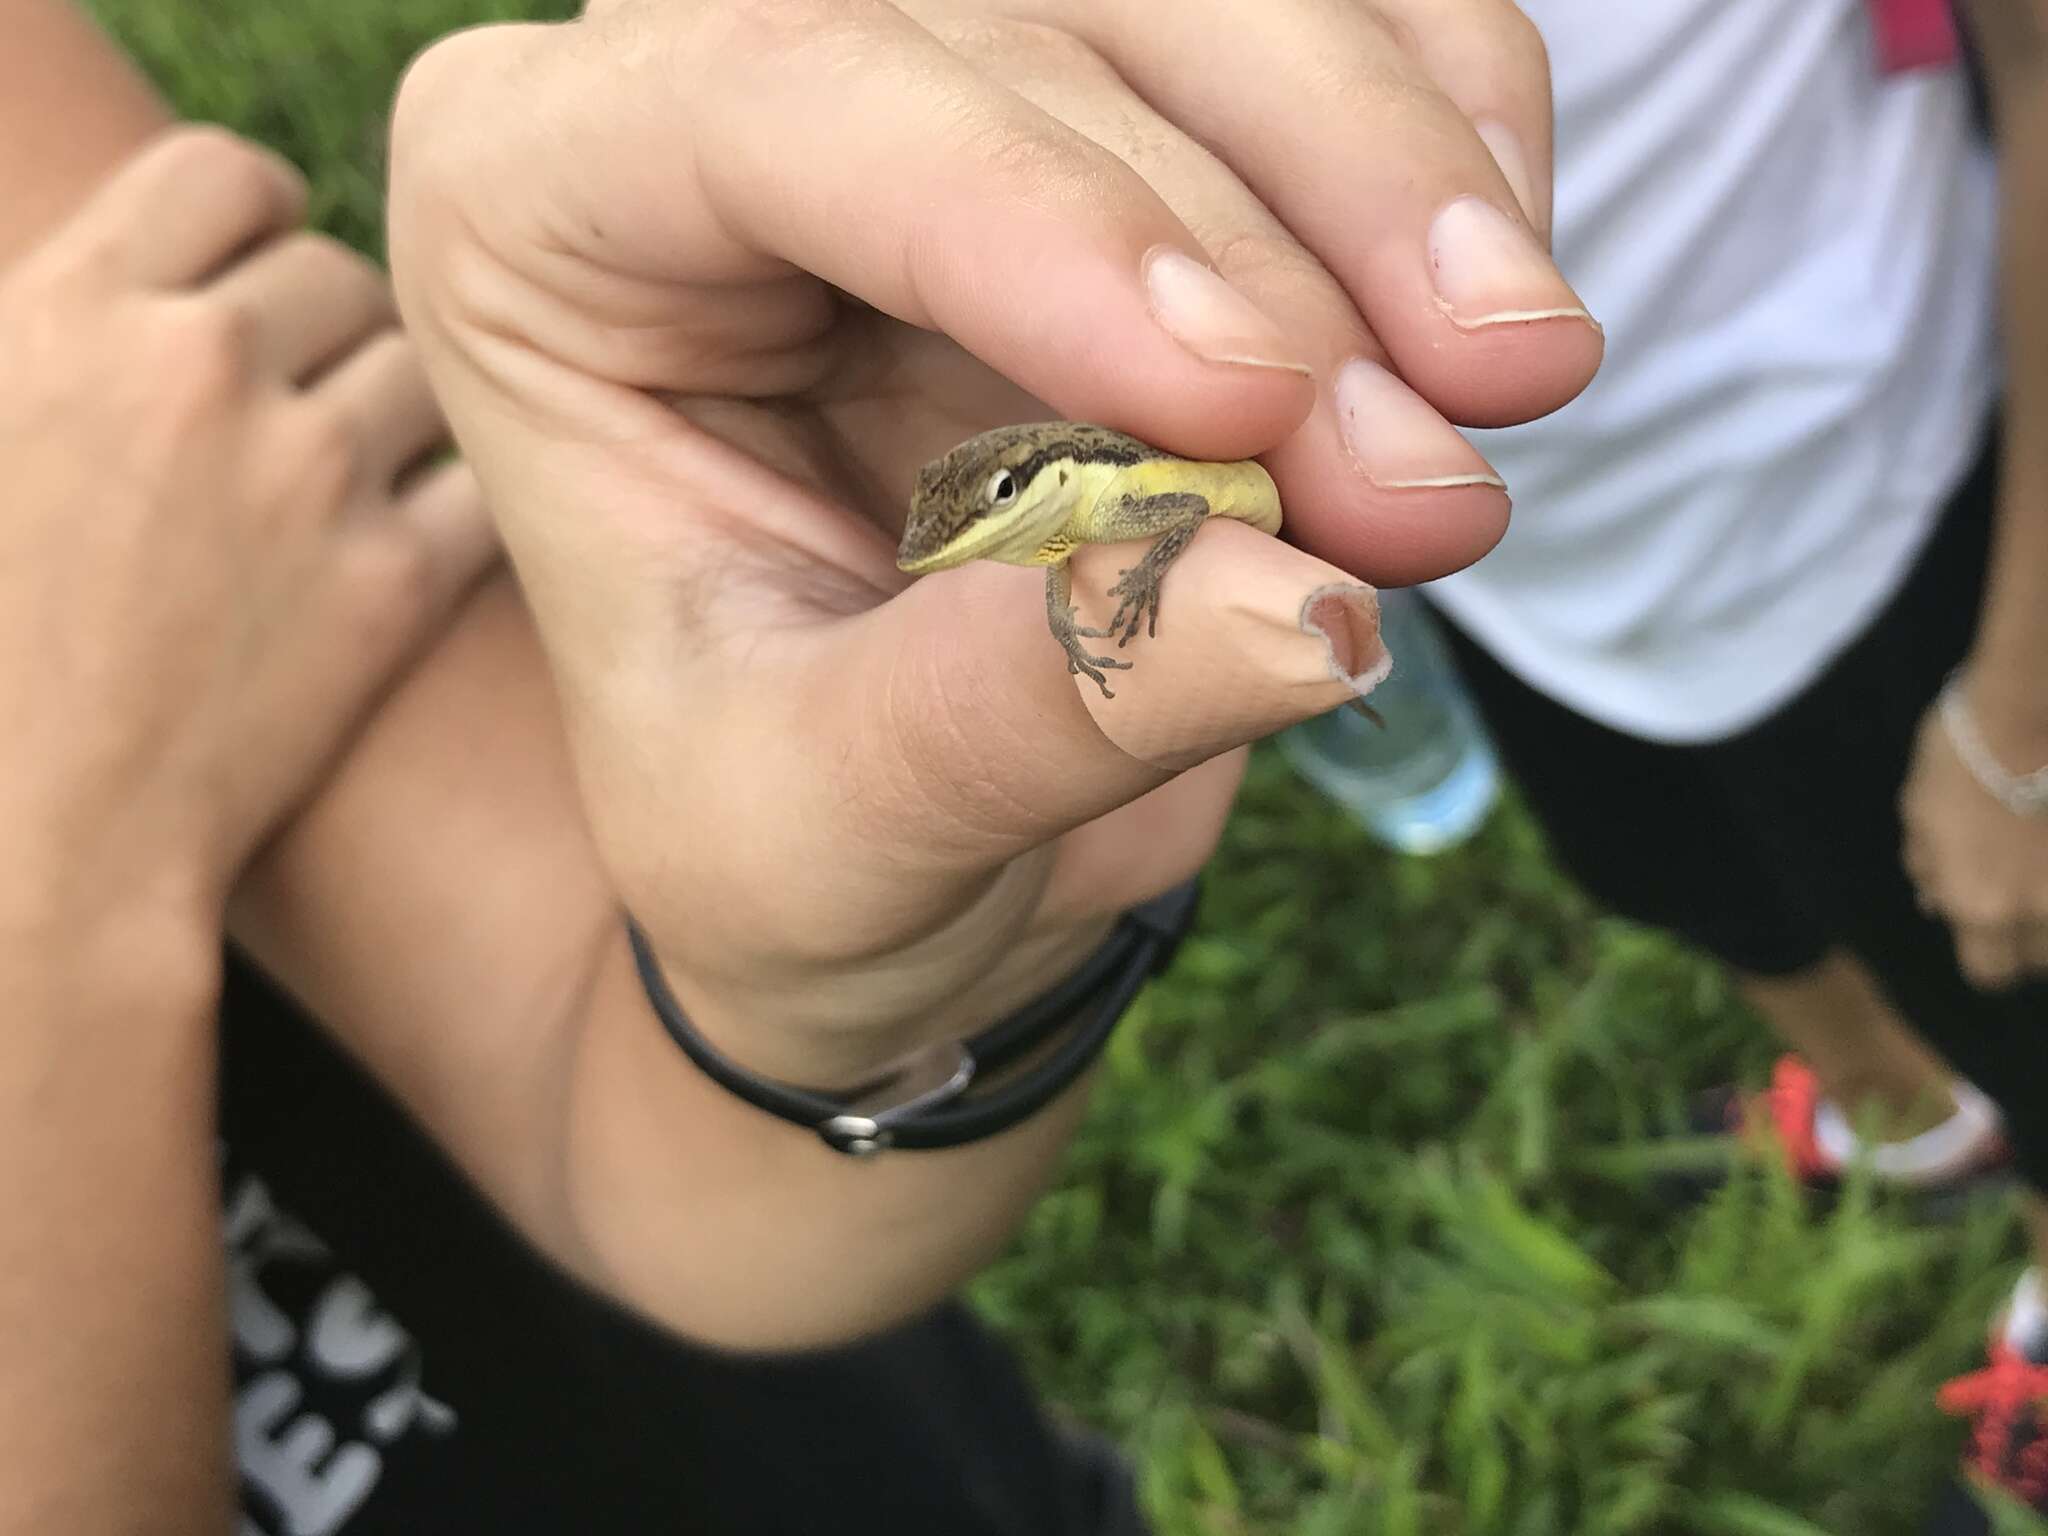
962, 680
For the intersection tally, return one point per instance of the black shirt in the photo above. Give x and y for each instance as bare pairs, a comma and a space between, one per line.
404, 1363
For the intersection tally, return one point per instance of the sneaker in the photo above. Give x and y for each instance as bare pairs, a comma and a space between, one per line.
1784, 1121
2007, 1405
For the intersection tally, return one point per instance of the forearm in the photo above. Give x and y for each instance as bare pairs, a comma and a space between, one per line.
2012, 646
442, 908
113, 1401
72, 107
748, 1232
114, 1394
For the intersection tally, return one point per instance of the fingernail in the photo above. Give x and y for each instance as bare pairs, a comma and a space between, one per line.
1210, 318
1397, 439
1489, 270
1347, 616
1506, 149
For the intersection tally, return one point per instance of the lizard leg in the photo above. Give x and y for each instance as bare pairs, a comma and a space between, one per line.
1178, 517
1059, 613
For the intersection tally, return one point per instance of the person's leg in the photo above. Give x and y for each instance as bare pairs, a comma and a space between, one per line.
1606, 801
1866, 1057
1823, 779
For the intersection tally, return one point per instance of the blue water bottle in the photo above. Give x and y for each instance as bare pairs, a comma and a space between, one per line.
1426, 780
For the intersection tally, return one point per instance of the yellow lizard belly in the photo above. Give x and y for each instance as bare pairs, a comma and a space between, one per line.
1111, 502
1242, 491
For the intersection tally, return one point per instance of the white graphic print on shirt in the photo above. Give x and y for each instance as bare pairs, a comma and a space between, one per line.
326, 1382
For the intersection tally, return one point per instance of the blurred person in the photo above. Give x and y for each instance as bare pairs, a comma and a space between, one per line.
498, 1254
1760, 551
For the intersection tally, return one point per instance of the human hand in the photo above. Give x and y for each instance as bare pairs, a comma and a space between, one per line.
703, 284
1978, 865
219, 538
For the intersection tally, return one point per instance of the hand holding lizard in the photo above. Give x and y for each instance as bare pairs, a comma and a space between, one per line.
703, 284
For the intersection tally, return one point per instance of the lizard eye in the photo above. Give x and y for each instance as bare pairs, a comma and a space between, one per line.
1002, 488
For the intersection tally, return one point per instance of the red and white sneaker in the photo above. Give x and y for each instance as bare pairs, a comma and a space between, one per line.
1790, 1120
2007, 1405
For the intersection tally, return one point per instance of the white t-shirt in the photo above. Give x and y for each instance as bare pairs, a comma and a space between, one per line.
1794, 259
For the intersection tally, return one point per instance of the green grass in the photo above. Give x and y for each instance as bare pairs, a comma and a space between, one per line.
1359, 1238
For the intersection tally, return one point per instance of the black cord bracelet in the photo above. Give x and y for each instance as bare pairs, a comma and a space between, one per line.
922, 1102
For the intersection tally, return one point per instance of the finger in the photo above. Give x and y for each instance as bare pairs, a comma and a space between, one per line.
1343, 133
1037, 251
900, 754
2034, 946
956, 689
185, 206
383, 391
1989, 953
1375, 481
1489, 58
443, 512
311, 298
403, 567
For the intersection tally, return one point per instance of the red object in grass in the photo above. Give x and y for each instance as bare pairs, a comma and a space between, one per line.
1793, 1104
1914, 34
2007, 1448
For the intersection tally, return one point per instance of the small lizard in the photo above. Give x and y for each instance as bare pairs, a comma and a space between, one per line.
1026, 495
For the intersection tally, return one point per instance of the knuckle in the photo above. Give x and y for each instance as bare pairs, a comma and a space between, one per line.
1987, 970
344, 277
69, 272
434, 156
1265, 256
35, 332
323, 453
1150, 144
1014, 50
445, 89
206, 348
243, 172
1977, 918
1390, 29
1519, 41
1987, 911
1050, 164
443, 73
774, 27
338, 262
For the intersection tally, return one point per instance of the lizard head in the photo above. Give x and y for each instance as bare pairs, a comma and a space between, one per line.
998, 496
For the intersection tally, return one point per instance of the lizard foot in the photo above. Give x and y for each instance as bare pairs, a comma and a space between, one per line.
1069, 635
1079, 660
1137, 597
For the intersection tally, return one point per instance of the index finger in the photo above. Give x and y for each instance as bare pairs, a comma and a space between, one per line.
185, 206
1336, 117
740, 144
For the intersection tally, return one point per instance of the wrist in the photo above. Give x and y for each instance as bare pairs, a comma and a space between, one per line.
966, 1088
2021, 791
150, 943
877, 1019
2008, 700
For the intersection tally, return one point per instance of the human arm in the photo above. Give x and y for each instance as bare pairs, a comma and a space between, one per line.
1979, 865
208, 567
789, 840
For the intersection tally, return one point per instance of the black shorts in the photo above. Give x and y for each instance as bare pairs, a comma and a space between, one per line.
1774, 846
